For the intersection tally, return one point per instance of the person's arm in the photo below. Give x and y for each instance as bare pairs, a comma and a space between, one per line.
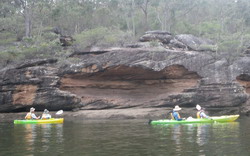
26, 116
43, 116
203, 115
34, 116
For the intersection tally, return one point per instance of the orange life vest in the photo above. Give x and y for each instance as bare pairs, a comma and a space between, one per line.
28, 116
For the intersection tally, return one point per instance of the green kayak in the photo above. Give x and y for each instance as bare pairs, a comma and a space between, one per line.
225, 118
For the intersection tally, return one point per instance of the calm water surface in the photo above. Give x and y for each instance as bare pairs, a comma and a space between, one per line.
125, 138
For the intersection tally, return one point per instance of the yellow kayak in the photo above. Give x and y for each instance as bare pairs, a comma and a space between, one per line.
40, 121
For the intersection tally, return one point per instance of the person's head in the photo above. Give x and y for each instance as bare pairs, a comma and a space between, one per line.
32, 109
176, 108
45, 111
198, 107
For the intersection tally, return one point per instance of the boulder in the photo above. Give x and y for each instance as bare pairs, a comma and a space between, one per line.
161, 36
196, 43
66, 40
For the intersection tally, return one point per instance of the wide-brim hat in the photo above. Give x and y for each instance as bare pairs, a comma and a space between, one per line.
177, 108
198, 107
32, 109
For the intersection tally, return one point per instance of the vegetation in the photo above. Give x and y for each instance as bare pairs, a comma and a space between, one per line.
27, 26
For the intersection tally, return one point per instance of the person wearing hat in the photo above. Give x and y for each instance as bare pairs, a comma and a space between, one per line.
175, 115
31, 114
46, 114
201, 113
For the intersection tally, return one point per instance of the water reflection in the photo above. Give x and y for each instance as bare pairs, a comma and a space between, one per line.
199, 137
30, 136
40, 137
176, 136
202, 135
120, 137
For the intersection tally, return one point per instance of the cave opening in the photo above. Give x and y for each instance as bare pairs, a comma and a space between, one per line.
124, 86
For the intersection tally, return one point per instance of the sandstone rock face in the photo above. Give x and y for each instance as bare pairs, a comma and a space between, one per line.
34, 83
135, 77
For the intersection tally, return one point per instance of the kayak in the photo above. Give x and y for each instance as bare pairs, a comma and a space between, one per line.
225, 118
39, 121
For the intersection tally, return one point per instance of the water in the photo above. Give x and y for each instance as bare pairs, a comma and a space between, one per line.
125, 137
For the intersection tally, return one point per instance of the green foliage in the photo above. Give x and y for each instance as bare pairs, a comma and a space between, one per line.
44, 46
209, 47
209, 27
229, 45
100, 36
154, 43
7, 38
115, 22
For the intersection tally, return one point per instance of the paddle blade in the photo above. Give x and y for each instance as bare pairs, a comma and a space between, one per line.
59, 112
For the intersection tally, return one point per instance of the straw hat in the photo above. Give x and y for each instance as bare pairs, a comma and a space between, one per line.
177, 108
198, 107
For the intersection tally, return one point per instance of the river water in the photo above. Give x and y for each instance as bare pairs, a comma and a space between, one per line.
125, 138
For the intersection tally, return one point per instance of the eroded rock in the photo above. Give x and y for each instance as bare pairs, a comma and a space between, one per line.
143, 77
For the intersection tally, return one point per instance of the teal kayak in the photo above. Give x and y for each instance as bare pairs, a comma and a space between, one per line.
225, 118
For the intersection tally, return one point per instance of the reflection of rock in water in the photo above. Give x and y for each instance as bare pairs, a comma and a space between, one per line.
59, 133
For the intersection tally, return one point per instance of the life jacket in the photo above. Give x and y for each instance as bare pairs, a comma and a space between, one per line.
172, 116
199, 114
46, 116
28, 116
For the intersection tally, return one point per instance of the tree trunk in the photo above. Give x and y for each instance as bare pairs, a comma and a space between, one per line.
133, 20
27, 18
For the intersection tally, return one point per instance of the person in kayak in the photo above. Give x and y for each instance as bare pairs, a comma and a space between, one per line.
31, 115
175, 115
46, 114
201, 113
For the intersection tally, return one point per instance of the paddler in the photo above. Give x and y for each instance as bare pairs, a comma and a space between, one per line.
201, 113
175, 115
31, 114
46, 114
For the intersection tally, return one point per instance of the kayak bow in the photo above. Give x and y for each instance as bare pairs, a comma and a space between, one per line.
225, 118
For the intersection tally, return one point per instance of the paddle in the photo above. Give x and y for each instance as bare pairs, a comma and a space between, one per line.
59, 112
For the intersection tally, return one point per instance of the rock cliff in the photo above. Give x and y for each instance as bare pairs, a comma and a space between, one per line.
162, 70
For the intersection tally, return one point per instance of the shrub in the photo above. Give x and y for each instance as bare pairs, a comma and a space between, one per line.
101, 36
